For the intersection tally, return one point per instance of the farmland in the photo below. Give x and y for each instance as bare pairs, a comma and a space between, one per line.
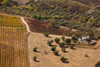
12, 42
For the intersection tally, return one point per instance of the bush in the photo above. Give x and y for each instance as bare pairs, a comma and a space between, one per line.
55, 52
75, 39
34, 58
35, 49
88, 40
99, 37
57, 40
39, 17
64, 49
49, 42
34, 16
63, 38
71, 46
61, 44
46, 34
68, 41
63, 59
53, 48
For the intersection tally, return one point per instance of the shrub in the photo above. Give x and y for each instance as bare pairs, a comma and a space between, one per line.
34, 16
63, 59
68, 41
46, 34
86, 55
88, 40
34, 58
57, 40
75, 39
35, 49
63, 38
64, 49
55, 52
53, 48
71, 46
98, 37
39, 17
50, 42
61, 44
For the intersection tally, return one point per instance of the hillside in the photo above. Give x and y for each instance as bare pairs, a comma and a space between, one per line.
90, 2
87, 2
21, 1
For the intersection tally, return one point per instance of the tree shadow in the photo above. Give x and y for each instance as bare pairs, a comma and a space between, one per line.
37, 61
49, 37
65, 51
53, 46
66, 62
37, 51
74, 49
58, 55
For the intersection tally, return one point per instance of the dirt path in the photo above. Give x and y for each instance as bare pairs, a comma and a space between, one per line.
26, 25
75, 57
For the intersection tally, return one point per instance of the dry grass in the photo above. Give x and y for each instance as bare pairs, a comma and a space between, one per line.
75, 57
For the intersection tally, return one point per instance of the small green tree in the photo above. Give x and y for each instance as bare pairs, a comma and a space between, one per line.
57, 40
53, 48
63, 59
50, 42
64, 49
63, 38
61, 44
99, 37
39, 17
35, 49
68, 41
34, 16
55, 52
75, 39
88, 40
46, 34
72, 46
34, 58
7, 2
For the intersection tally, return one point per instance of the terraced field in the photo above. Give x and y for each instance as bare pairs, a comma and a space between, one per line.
12, 42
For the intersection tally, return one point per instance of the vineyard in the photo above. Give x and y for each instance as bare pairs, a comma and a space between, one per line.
12, 42
6, 20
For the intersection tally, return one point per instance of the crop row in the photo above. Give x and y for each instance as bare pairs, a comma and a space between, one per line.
13, 21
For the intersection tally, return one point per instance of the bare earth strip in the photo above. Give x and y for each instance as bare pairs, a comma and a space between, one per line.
75, 57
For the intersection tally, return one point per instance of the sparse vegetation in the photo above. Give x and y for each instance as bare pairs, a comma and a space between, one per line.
57, 40
55, 52
72, 46
88, 40
53, 48
61, 44
75, 39
63, 59
68, 41
35, 49
46, 34
99, 37
64, 49
50, 42
34, 58
63, 38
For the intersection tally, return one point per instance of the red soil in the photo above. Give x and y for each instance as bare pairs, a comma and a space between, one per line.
40, 27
